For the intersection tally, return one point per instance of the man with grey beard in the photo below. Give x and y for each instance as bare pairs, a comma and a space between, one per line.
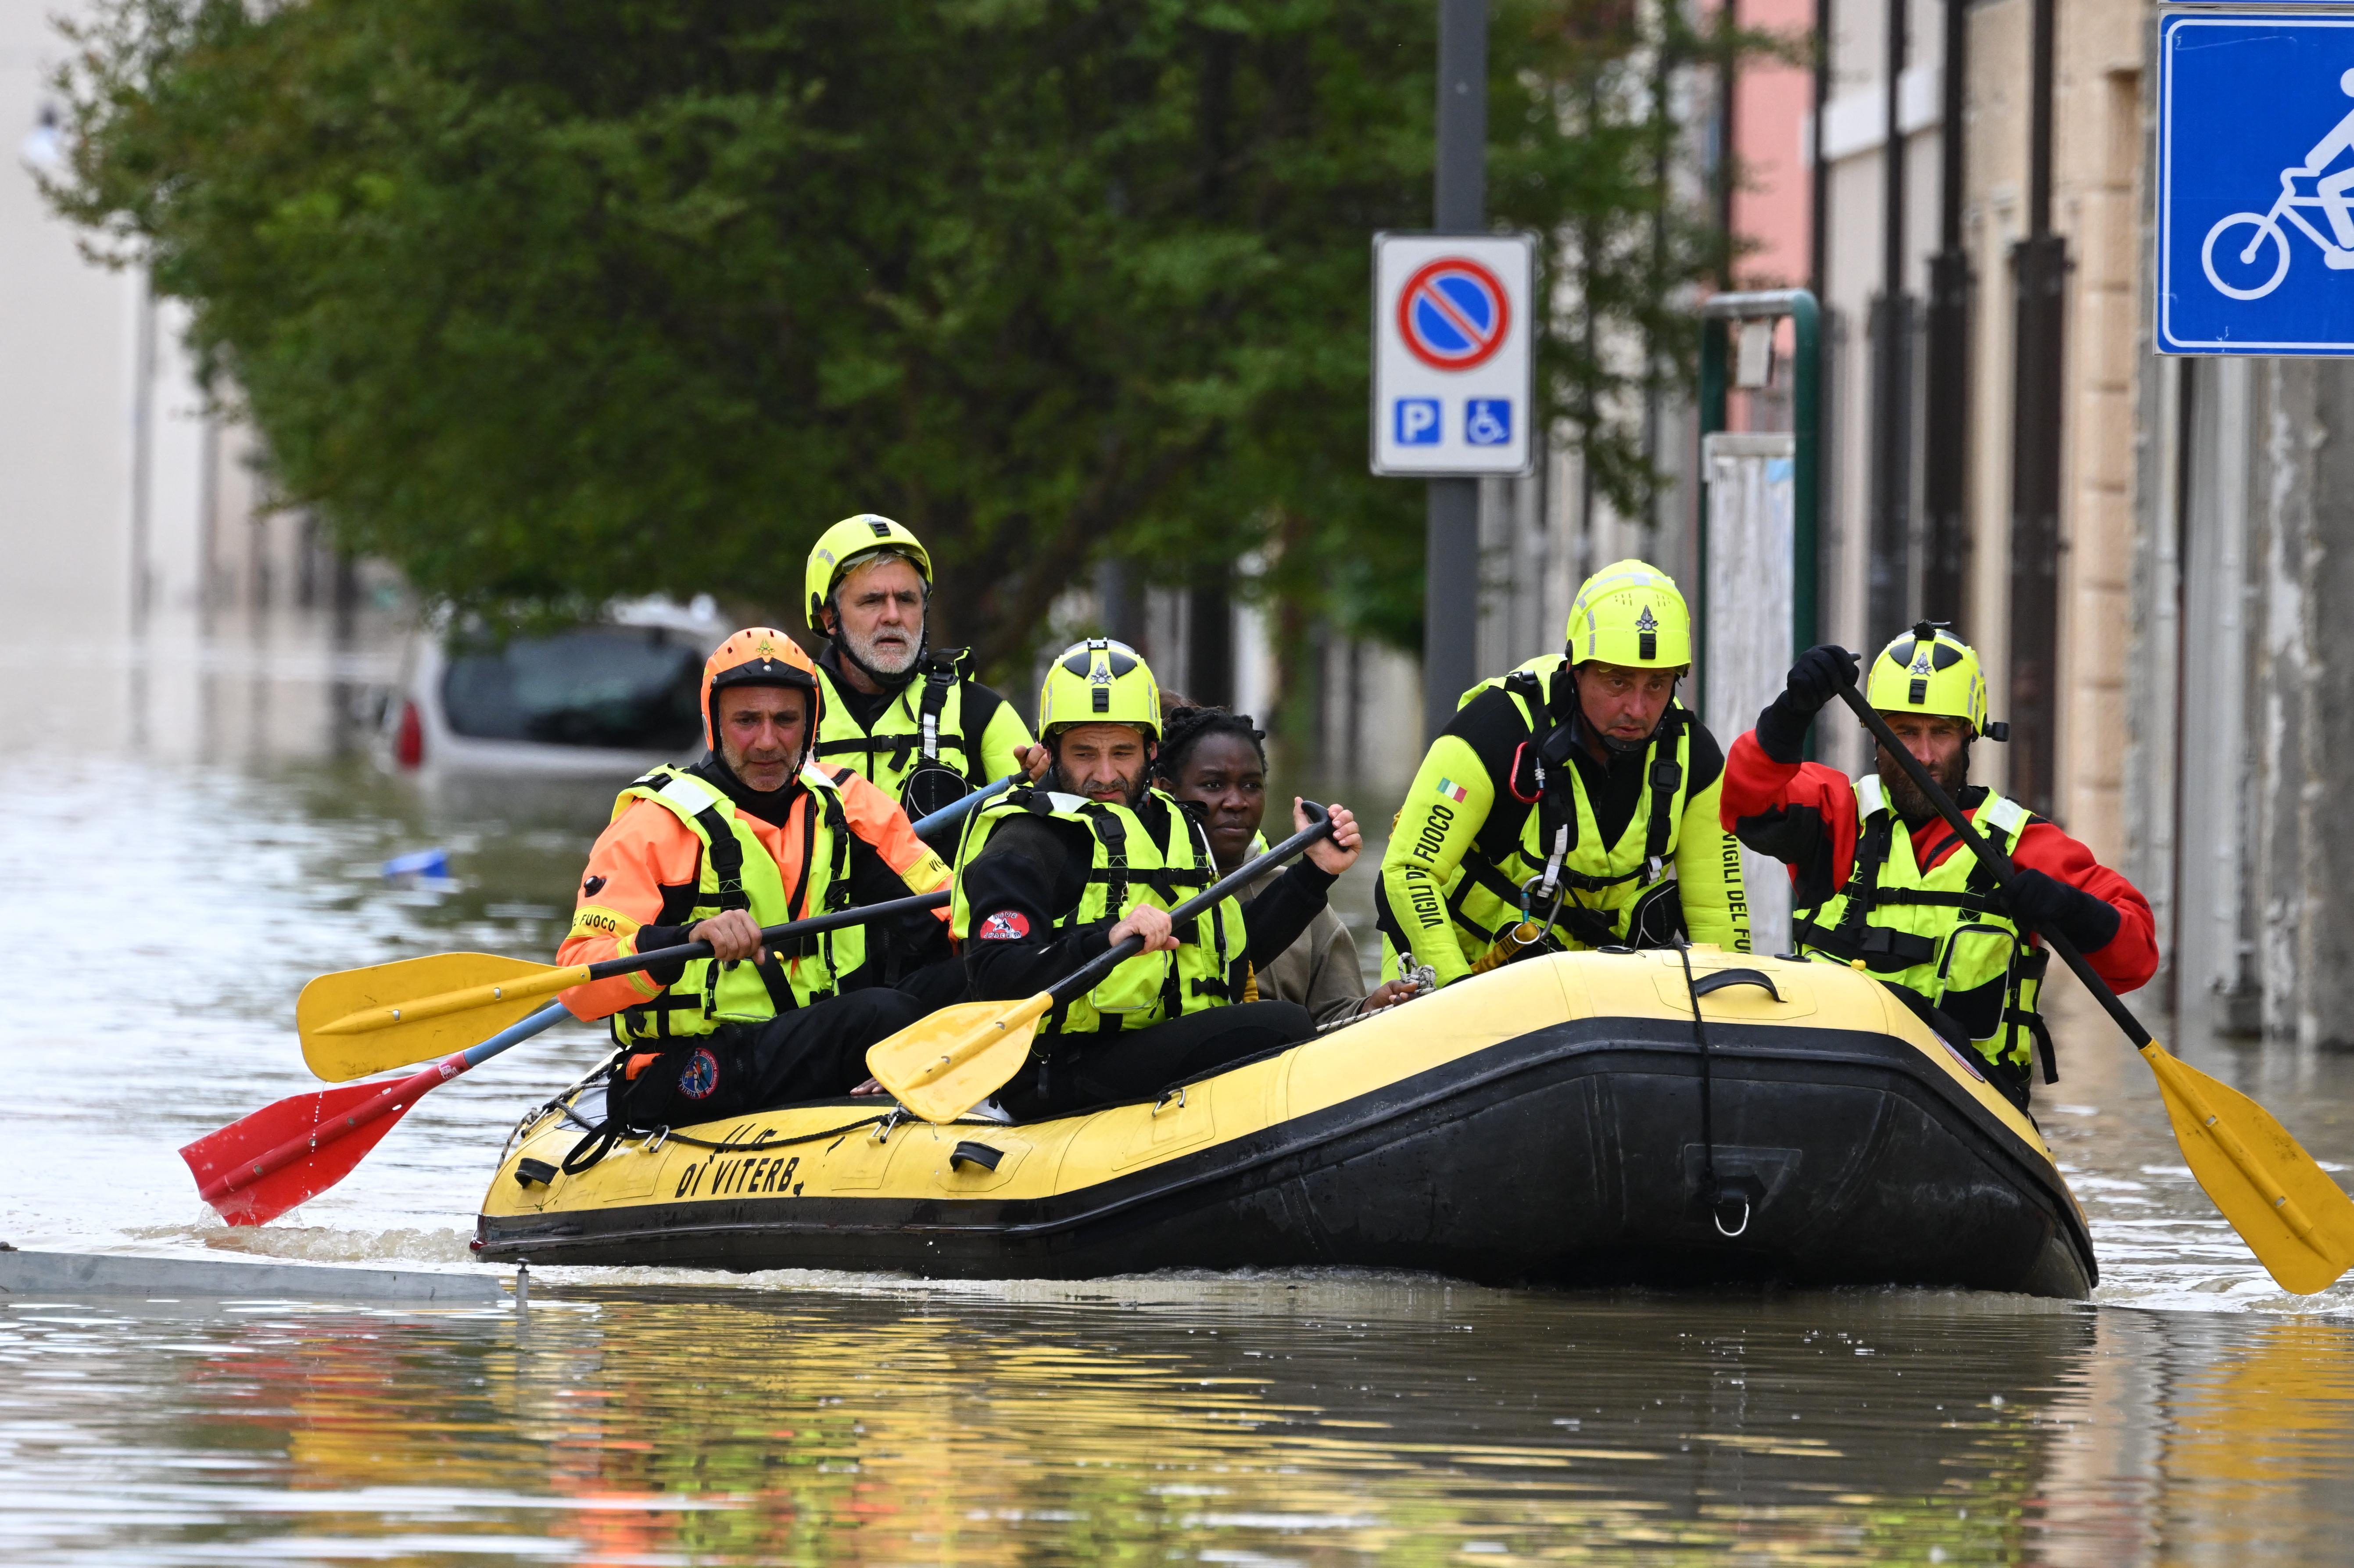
1880, 881
910, 717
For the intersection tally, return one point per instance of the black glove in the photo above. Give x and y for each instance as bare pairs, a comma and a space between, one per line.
1818, 677
1814, 680
2047, 904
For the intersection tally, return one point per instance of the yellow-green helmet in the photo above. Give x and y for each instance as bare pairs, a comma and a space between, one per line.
1630, 614
1100, 681
840, 546
1928, 670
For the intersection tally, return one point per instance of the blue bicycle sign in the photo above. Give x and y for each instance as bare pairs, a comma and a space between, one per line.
2249, 104
2249, 261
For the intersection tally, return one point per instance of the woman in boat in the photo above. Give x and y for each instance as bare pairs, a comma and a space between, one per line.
1213, 761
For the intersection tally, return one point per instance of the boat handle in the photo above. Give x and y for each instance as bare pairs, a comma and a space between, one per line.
1723, 977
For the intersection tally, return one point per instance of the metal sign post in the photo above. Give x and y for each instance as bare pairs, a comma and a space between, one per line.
1756, 315
1453, 400
1450, 595
2255, 194
1754, 600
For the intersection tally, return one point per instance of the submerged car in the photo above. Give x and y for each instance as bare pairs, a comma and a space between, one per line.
612, 698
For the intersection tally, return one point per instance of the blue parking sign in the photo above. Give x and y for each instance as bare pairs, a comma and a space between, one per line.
1488, 422
1418, 421
2256, 201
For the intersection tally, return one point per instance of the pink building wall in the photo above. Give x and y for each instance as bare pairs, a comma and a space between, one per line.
1771, 106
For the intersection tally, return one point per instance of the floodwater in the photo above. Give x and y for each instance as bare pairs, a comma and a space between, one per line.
198, 828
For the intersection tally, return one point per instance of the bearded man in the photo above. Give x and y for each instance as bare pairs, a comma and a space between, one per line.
910, 717
1879, 878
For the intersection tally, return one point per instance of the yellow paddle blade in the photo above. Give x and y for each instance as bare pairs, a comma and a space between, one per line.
358, 1022
2299, 1223
941, 1066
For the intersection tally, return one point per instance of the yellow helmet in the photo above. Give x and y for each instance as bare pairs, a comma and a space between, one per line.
1930, 671
1629, 613
839, 547
1100, 681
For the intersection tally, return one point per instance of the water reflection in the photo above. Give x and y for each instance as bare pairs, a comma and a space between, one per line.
1318, 1418
206, 833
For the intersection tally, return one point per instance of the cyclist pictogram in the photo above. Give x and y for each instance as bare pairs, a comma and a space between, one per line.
2247, 271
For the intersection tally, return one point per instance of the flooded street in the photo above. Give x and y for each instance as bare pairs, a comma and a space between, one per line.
202, 828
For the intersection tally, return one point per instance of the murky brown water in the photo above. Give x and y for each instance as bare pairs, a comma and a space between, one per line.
194, 835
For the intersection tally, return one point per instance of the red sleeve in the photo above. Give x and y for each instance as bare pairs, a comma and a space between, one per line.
1763, 800
641, 851
2126, 960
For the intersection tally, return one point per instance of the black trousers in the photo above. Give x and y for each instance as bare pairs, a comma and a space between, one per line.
1069, 1071
812, 1052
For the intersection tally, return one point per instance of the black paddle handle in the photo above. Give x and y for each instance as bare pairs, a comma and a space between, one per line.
1086, 975
2005, 873
769, 934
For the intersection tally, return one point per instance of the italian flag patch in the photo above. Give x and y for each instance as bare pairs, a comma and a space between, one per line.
1454, 791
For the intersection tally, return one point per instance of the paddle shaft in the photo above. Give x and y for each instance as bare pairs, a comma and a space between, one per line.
956, 811
398, 1095
807, 927
553, 980
394, 1097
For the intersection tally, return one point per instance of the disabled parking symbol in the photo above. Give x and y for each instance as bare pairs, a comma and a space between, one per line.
1487, 421
1418, 421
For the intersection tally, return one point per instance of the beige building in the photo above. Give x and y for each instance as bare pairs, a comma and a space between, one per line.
123, 500
2145, 546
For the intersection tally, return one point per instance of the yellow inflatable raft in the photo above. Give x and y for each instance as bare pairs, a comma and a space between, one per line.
1554, 1122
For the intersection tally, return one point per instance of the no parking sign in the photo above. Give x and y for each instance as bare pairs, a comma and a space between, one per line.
1451, 364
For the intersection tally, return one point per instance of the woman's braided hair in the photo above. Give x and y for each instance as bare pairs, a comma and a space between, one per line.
1185, 724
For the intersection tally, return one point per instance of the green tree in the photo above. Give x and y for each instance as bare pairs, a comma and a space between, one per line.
547, 305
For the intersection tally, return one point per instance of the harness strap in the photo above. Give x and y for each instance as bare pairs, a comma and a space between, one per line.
1667, 777
1972, 902
936, 682
1113, 834
898, 745
1881, 947
727, 858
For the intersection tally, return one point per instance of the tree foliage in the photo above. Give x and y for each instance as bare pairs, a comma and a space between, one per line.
548, 304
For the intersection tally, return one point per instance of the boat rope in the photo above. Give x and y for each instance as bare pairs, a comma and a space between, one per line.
1713, 1191
600, 1140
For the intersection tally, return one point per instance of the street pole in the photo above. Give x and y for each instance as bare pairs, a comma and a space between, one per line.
1451, 616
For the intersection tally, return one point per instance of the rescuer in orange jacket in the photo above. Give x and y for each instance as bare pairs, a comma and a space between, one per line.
755, 835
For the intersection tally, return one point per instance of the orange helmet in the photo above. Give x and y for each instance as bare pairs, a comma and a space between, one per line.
758, 656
